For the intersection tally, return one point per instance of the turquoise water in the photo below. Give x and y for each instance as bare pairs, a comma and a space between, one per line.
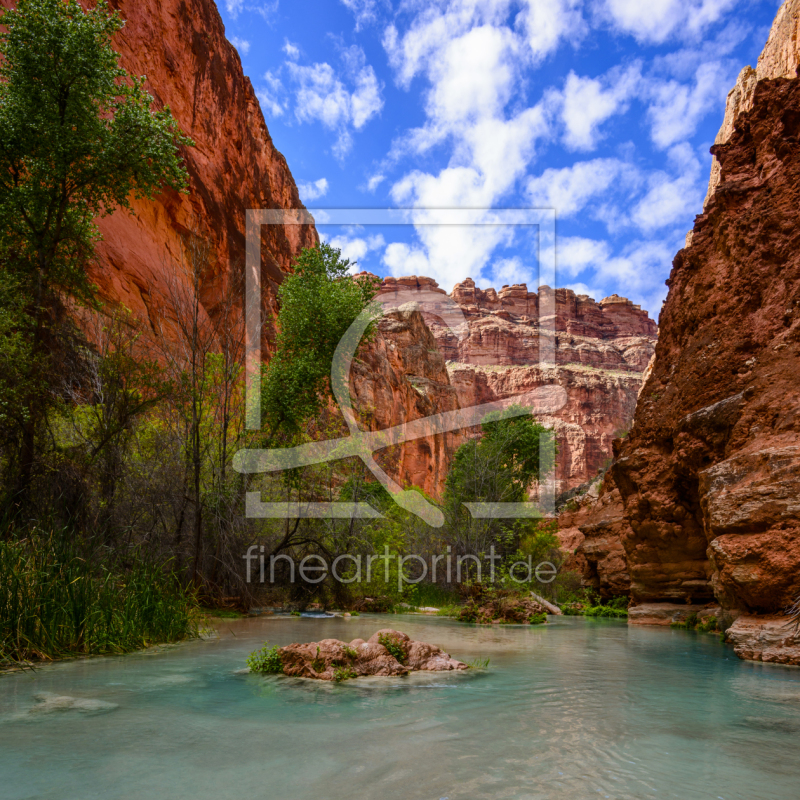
576, 709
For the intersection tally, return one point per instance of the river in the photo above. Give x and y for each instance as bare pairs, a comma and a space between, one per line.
575, 709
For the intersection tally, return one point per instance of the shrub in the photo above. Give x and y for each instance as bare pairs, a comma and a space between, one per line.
616, 607
393, 646
266, 661
343, 673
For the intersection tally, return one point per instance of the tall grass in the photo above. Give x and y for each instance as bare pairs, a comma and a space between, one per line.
55, 603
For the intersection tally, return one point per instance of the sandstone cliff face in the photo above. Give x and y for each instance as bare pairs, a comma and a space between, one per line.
398, 377
600, 351
180, 46
779, 59
427, 367
710, 473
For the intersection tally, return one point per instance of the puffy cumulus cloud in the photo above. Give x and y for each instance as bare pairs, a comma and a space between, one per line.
242, 45
432, 29
546, 24
676, 108
313, 190
508, 271
569, 190
472, 60
657, 21
574, 254
355, 247
320, 95
588, 102
446, 253
473, 78
670, 201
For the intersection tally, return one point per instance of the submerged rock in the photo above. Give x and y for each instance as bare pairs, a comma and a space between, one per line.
387, 653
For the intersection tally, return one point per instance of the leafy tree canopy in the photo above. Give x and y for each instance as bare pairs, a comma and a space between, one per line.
318, 303
513, 451
77, 138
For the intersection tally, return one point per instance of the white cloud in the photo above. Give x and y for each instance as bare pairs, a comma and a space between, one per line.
588, 102
508, 271
313, 190
364, 11
671, 200
356, 248
270, 94
677, 108
569, 190
242, 45
432, 31
267, 10
321, 96
292, 50
575, 254
375, 181
658, 20
545, 24
474, 77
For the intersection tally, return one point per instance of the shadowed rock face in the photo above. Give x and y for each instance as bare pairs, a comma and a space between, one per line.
180, 46
711, 471
319, 660
592, 536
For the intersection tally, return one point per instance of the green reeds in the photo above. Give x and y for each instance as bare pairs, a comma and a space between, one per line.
55, 603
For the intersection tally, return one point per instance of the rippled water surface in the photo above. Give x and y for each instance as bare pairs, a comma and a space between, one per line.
576, 709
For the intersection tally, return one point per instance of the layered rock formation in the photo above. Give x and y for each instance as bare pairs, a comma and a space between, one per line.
779, 59
710, 473
600, 351
591, 535
191, 67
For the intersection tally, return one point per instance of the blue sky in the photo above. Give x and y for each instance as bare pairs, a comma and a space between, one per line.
601, 109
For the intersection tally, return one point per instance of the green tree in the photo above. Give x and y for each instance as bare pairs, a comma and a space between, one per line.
499, 467
78, 138
318, 303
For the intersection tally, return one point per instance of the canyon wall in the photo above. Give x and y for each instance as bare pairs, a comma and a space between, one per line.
709, 477
601, 349
191, 67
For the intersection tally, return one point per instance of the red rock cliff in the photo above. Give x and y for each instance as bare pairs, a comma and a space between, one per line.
180, 46
710, 474
601, 351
